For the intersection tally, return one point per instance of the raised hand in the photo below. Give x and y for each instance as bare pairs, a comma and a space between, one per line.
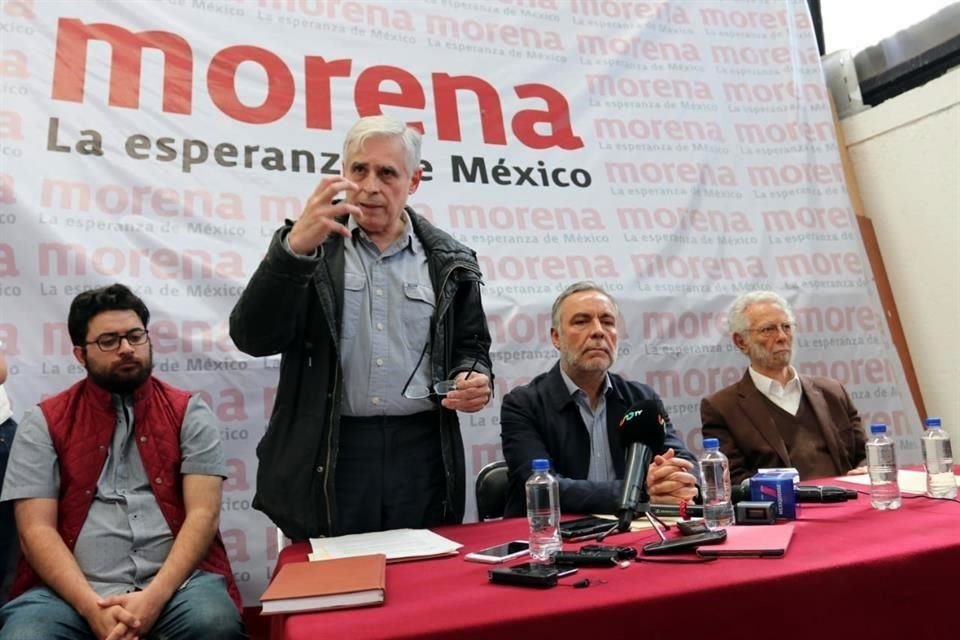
319, 217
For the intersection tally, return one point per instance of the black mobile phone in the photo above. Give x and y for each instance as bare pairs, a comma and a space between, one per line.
685, 543
585, 528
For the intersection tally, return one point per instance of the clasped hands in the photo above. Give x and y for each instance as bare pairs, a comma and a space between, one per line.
670, 479
125, 617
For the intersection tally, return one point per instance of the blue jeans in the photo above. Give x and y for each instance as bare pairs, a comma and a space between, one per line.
8, 529
202, 609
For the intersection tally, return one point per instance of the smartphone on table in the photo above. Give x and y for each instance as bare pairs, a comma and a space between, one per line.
500, 553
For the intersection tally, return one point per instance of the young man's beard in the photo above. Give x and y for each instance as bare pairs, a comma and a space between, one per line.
122, 383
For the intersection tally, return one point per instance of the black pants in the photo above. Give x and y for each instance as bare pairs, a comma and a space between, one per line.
389, 473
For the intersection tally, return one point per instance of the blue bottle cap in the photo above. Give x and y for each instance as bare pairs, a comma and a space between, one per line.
711, 443
541, 464
878, 427
932, 423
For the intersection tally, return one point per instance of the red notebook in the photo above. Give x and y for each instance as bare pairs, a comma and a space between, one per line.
751, 541
327, 584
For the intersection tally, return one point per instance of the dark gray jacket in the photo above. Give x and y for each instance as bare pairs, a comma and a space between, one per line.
294, 307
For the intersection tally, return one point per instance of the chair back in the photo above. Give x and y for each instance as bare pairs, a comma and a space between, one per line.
491, 490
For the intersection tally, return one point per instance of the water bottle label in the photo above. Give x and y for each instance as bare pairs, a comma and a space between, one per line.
885, 456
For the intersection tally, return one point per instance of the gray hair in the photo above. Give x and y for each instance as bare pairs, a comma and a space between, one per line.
577, 287
737, 313
384, 126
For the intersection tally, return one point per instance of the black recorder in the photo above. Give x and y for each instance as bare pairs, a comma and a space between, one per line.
595, 555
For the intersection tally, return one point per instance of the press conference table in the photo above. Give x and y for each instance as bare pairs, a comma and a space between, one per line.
850, 572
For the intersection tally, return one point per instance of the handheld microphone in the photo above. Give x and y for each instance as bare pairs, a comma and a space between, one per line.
642, 434
823, 494
809, 493
741, 493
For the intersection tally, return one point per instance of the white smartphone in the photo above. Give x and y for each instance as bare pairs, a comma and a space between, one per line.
500, 553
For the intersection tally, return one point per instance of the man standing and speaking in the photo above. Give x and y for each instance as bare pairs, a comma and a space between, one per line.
774, 417
370, 306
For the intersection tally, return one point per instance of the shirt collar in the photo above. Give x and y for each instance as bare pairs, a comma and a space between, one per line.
769, 386
407, 240
572, 387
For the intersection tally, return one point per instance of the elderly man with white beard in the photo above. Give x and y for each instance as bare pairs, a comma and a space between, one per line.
774, 417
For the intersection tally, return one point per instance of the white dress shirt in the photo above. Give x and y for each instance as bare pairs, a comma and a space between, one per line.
787, 396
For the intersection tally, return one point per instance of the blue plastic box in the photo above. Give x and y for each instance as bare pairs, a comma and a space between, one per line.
776, 487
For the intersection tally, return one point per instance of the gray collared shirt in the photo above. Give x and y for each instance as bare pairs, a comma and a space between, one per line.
601, 462
388, 301
125, 538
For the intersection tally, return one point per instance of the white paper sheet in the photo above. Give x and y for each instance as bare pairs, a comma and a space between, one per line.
909, 481
396, 544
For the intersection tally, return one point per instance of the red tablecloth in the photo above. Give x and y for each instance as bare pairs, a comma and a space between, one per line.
850, 572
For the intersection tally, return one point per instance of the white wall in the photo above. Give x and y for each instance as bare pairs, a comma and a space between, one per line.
906, 156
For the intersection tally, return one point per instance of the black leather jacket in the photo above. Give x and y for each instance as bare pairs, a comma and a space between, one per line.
294, 307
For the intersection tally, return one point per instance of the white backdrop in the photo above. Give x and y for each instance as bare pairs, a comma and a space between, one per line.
677, 153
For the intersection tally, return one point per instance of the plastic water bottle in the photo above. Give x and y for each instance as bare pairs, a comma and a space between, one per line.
715, 479
938, 460
543, 512
882, 463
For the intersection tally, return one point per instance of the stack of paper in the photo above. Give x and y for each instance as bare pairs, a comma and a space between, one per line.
397, 545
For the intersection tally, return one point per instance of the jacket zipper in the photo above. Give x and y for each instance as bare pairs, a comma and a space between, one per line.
447, 300
326, 468
466, 266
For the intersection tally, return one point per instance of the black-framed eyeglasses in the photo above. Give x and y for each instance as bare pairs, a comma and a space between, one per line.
111, 341
772, 330
440, 389
419, 391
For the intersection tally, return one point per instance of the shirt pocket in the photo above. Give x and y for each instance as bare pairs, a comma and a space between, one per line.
354, 291
418, 305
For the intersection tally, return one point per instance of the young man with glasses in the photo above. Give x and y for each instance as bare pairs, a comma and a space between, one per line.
774, 417
116, 485
371, 308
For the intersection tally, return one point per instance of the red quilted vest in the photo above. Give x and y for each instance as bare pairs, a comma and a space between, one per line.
81, 423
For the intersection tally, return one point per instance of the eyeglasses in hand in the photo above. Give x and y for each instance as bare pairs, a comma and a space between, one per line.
420, 392
441, 388
111, 341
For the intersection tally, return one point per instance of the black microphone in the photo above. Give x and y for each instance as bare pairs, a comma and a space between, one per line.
740, 492
642, 435
823, 494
